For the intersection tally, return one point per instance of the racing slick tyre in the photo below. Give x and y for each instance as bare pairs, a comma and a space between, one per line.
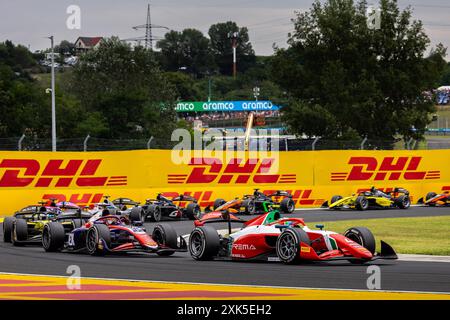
165, 235
19, 232
361, 203
193, 211
287, 205
53, 237
288, 245
204, 243
362, 236
7, 228
156, 214
403, 202
137, 215
218, 203
94, 237
249, 206
430, 195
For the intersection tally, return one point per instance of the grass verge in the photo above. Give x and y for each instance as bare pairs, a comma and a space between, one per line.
423, 235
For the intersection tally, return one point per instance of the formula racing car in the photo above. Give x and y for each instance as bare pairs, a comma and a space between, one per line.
271, 238
164, 207
259, 202
105, 233
374, 198
27, 224
434, 199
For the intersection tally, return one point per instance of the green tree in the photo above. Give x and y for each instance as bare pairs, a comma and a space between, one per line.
221, 45
119, 85
187, 50
65, 48
355, 79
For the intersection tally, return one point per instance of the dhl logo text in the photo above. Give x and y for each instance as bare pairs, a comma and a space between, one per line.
210, 170
55, 173
390, 168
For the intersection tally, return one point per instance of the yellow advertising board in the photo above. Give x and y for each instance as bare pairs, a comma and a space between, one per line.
311, 176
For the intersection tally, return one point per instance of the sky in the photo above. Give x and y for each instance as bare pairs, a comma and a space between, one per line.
29, 22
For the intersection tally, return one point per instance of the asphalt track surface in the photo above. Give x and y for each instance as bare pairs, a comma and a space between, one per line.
395, 275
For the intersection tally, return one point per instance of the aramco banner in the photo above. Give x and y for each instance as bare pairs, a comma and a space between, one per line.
226, 106
313, 177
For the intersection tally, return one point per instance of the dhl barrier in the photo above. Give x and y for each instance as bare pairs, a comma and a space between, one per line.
311, 176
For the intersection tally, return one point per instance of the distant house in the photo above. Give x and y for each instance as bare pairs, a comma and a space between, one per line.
84, 44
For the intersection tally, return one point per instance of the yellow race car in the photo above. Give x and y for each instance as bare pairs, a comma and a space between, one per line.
372, 199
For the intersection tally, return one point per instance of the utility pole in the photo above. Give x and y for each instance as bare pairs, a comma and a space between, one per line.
148, 30
234, 36
53, 97
149, 38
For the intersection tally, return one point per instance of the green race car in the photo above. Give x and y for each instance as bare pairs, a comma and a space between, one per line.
372, 199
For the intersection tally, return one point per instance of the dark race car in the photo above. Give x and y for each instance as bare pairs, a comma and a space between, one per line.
271, 238
26, 225
105, 234
163, 207
120, 206
259, 202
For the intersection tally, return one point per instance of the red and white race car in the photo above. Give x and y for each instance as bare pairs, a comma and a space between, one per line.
272, 238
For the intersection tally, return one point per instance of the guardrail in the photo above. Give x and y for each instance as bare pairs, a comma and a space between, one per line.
89, 143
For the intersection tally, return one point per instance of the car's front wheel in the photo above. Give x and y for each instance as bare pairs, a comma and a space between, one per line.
361, 203
97, 237
288, 245
204, 243
156, 214
287, 205
363, 237
403, 202
249, 206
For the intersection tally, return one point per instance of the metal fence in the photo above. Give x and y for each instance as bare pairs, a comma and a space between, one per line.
89, 143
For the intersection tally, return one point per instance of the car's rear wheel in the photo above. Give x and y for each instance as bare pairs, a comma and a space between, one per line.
288, 245
204, 243
165, 235
218, 203
403, 202
287, 205
361, 203
53, 237
19, 232
363, 237
7, 228
249, 206
96, 237
193, 211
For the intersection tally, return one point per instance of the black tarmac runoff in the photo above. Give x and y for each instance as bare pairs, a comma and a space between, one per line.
395, 275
